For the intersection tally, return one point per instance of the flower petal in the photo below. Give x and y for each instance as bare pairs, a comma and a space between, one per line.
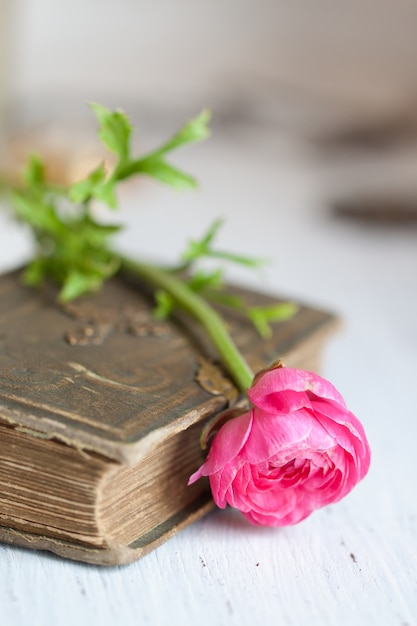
226, 445
298, 449
285, 438
267, 391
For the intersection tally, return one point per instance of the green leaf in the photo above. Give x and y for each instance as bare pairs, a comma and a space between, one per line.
236, 258
201, 247
114, 130
164, 305
95, 234
82, 190
95, 186
34, 172
261, 316
34, 273
280, 312
154, 164
71, 246
195, 129
34, 212
165, 173
260, 322
206, 280
106, 193
77, 283
227, 299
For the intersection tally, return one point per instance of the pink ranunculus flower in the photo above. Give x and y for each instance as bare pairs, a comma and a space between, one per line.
297, 449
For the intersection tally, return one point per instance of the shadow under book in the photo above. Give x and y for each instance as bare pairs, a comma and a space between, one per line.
101, 410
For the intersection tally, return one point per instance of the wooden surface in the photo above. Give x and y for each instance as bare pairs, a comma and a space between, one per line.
352, 563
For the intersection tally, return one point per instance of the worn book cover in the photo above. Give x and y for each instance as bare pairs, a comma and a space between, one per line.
101, 410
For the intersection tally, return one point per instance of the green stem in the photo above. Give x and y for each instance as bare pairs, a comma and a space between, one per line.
201, 311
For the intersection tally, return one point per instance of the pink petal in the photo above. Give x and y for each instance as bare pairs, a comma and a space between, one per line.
198, 474
266, 393
350, 435
287, 437
225, 446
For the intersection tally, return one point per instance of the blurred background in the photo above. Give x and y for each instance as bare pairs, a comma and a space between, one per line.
319, 63
329, 73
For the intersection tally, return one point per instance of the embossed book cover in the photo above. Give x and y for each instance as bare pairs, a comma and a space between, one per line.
101, 410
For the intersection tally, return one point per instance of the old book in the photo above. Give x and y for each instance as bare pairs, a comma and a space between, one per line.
101, 409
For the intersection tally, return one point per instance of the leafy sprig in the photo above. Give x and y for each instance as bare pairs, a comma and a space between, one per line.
210, 284
115, 132
204, 248
74, 248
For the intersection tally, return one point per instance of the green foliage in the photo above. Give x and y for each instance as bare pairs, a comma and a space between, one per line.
204, 248
114, 131
262, 316
34, 173
155, 165
72, 247
95, 185
165, 304
211, 285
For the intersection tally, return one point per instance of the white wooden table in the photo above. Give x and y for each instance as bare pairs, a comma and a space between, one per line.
352, 563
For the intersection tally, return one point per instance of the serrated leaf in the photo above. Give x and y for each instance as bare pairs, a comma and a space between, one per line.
154, 164
72, 247
115, 130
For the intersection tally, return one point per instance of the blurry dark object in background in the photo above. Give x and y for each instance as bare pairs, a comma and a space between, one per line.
381, 210
387, 132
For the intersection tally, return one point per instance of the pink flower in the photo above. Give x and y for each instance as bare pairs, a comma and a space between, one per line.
298, 449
